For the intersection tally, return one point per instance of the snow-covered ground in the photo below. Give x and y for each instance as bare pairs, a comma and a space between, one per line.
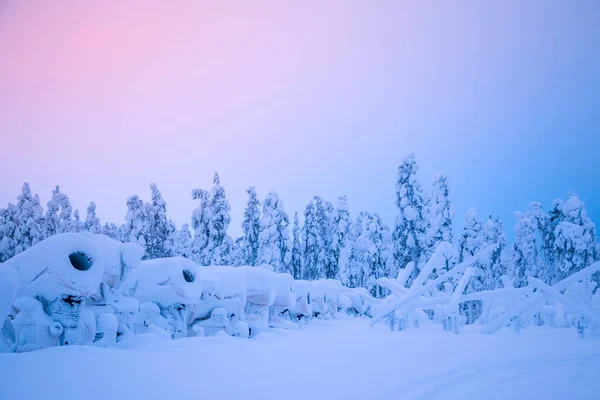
343, 359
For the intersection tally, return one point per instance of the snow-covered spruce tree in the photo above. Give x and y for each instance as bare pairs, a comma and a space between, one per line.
493, 232
238, 258
111, 230
324, 220
356, 269
410, 231
181, 242
158, 229
274, 246
342, 240
576, 241
251, 229
440, 216
29, 220
201, 219
65, 217
8, 226
311, 245
525, 261
75, 223
134, 229
545, 226
52, 217
220, 244
373, 254
92, 223
296, 258
7, 231
471, 241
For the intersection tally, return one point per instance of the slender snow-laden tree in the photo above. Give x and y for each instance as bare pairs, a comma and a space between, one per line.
66, 214
311, 244
342, 240
296, 258
136, 223
182, 242
274, 246
220, 244
576, 241
92, 223
525, 261
111, 230
324, 221
201, 219
440, 214
29, 220
75, 223
251, 229
52, 217
373, 254
493, 231
7, 232
158, 229
410, 231
439, 220
472, 241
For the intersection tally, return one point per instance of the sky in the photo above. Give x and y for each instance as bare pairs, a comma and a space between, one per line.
306, 98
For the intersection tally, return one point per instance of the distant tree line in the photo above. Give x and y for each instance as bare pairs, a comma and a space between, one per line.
549, 245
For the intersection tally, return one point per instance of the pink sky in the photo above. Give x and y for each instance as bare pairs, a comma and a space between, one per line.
106, 97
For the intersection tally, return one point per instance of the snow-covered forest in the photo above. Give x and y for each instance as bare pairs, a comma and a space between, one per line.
549, 243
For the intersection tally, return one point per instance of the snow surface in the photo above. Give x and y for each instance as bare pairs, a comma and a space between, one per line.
424, 363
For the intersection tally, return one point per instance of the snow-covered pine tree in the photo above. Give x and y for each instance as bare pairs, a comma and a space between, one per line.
134, 229
52, 217
8, 229
182, 242
472, 241
373, 254
92, 223
274, 246
201, 219
111, 230
66, 215
220, 244
296, 259
342, 240
525, 261
311, 245
493, 231
29, 220
440, 214
576, 241
356, 269
324, 220
75, 223
251, 229
410, 231
158, 228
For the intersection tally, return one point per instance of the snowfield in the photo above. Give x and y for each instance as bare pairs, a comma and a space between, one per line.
337, 359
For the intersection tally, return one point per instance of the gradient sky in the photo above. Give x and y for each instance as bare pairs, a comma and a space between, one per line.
302, 97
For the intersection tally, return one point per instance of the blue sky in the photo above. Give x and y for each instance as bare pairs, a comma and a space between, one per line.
301, 98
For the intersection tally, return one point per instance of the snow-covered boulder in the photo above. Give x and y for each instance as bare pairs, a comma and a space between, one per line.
260, 296
65, 265
34, 329
171, 284
62, 272
302, 309
218, 321
222, 287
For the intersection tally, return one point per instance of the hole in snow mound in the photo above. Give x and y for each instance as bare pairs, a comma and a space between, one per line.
188, 276
80, 261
